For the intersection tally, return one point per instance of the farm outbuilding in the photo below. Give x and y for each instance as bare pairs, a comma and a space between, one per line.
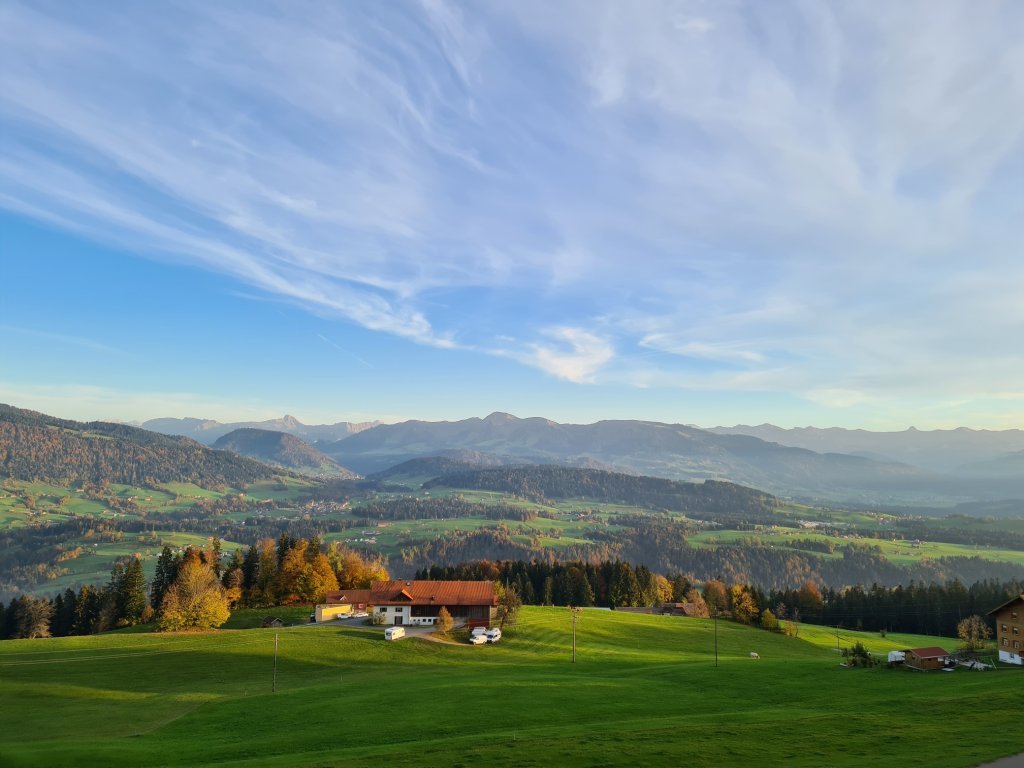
925, 659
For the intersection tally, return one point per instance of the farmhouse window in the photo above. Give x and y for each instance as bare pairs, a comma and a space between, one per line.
1013, 614
1016, 630
399, 609
384, 609
1004, 627
1016, 643
1005, 642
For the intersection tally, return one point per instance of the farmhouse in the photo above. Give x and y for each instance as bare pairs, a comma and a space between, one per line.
415, 602
1009, 625
926, 658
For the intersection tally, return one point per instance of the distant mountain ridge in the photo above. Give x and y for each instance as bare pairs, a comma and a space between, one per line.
283, 450
34, 446
673, 451
208, 431
939, 450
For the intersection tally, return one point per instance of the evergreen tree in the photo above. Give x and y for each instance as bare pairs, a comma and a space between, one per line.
7, 620
63, 623
131, 594
87, 610
163, 578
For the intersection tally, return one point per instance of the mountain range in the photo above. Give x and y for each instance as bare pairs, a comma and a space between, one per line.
939, 450
925, 468
208, 431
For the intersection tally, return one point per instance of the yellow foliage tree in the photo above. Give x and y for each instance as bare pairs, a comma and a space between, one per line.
196, 599
744, 606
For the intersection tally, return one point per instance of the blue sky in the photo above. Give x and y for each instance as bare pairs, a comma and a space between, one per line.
699, 212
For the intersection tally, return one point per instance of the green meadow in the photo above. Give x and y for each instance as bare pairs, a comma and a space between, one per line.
644, 691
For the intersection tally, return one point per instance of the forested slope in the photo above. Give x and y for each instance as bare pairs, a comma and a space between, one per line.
553, 482
34, 446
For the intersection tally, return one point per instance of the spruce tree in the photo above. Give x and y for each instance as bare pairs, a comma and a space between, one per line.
162, 579
131, 594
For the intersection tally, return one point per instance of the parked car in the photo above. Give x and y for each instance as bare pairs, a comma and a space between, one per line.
393, 633
477, 639
493, 635
478, 632
312, 617
360, 615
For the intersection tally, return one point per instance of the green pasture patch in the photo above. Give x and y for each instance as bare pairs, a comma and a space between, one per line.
644, 691
287, 489
900, 552
93, 566
190, 491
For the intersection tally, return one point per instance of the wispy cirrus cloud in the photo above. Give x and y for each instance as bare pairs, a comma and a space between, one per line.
810, 198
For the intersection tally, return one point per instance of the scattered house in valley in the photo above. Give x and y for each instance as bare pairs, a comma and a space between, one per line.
416, 602
1009, 626
925, 659
272, 622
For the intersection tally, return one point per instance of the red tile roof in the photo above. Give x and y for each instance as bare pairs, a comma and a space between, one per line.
929, 653
419, 593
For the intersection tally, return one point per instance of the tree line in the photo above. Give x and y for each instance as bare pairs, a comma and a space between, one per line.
194, 588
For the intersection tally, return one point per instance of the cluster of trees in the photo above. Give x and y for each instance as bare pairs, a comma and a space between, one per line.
297, 570
918, 608
34, 446
539, 483
122, 602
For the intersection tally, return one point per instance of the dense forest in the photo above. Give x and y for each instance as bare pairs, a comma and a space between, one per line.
38, 447
544, 482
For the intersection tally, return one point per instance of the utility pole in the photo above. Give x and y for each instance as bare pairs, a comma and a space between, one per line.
274, 688
716, 636
575, 614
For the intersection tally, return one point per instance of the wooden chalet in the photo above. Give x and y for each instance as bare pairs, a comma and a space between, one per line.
416, 602
683, 609
925, 659
1009, 628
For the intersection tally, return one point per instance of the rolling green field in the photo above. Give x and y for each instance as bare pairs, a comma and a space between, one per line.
645, 691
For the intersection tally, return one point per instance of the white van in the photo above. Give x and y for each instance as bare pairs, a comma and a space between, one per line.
394, 633
493, 635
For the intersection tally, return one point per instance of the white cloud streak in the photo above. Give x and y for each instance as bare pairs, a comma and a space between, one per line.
817, 198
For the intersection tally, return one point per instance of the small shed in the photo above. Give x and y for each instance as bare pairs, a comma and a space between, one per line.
927, 658
272, 622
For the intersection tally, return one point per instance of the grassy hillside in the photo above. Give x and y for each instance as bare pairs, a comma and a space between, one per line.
644, 691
